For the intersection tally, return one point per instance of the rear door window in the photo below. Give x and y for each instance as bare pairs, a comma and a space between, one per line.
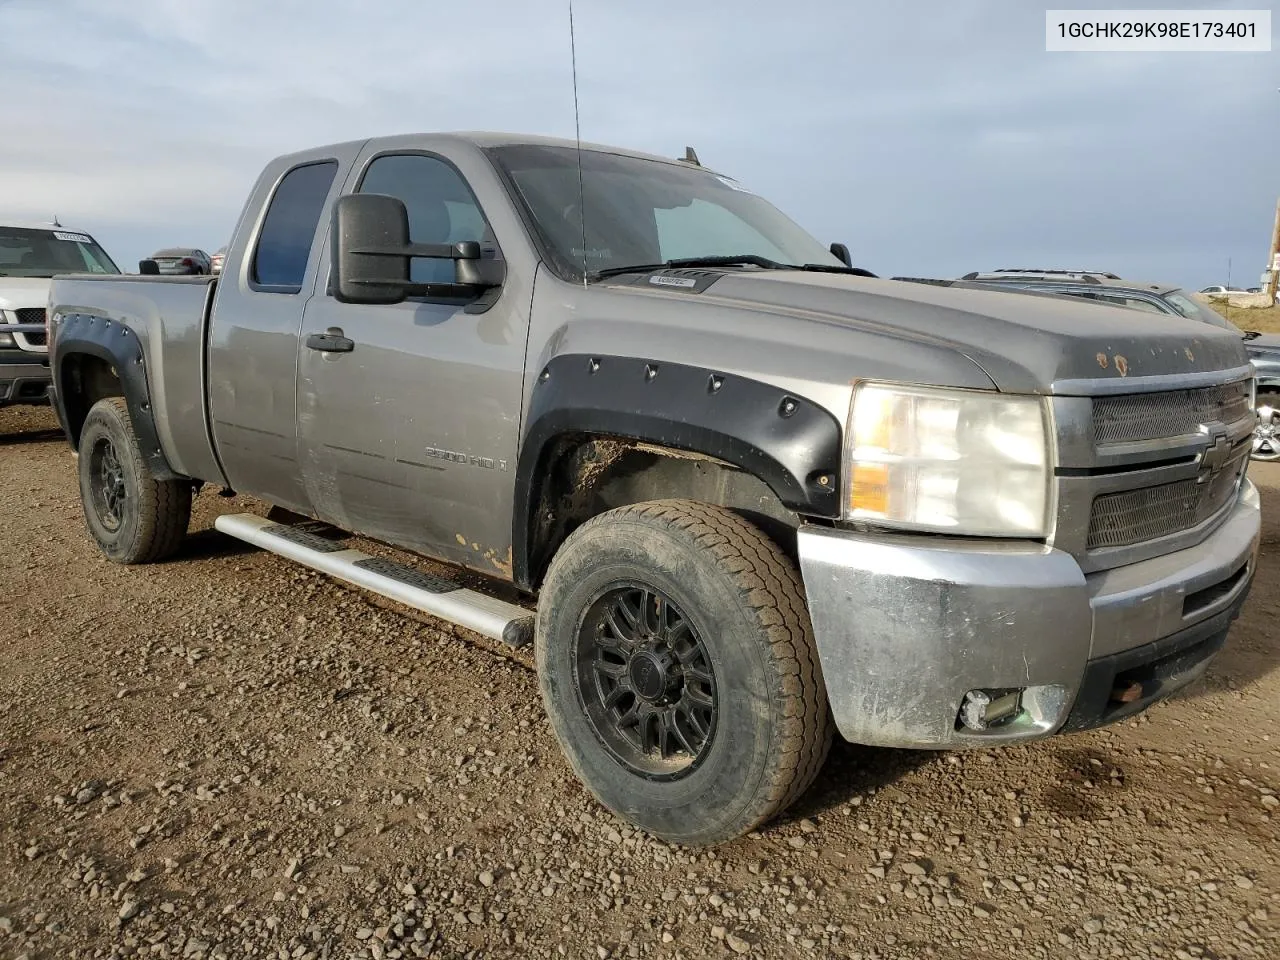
289, 228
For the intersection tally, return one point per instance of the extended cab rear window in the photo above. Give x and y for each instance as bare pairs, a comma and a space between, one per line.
289, 228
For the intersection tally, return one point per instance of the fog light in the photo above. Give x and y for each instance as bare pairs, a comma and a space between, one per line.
981, 709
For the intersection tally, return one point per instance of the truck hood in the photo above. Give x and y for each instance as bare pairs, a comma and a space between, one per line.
17, 293
1024, 344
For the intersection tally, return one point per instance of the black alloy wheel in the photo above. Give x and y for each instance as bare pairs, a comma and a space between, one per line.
645, 681
679, 670
134, 516
109, 493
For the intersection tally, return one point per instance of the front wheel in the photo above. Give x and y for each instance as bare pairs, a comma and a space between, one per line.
134, 517
678, 667
1266, 432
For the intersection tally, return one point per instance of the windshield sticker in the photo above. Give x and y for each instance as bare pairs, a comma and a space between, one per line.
662, 281
73, 237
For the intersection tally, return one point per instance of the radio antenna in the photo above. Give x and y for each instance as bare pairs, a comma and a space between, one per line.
577, 134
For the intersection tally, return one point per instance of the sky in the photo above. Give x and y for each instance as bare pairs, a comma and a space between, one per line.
932, 138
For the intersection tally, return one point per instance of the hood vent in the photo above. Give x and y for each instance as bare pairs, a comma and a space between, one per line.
678, 280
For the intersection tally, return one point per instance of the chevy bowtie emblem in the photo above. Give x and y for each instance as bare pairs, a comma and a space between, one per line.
1215, 456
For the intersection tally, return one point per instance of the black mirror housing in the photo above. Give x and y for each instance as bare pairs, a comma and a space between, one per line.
148, 268
371, 253
364, 226
471, 269
841, 253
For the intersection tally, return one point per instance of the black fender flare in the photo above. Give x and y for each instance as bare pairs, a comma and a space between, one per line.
81, 334
789, 442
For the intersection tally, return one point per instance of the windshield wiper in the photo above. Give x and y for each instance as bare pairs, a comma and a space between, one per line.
733, 260
831, 268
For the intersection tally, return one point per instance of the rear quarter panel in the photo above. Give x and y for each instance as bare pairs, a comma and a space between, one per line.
167, 316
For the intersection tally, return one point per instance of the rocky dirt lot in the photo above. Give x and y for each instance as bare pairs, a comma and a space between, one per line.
229, 756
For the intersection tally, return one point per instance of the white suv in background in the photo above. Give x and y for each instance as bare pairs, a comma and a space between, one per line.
30, 255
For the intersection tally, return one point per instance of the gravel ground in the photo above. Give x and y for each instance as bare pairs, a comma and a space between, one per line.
229, 756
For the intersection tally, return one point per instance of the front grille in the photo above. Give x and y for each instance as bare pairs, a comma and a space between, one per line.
1135, 516
33, 315
1172, 413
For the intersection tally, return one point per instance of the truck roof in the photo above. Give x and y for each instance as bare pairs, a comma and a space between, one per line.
482, 139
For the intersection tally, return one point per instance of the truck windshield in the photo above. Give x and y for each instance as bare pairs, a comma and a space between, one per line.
641, 211
26, 252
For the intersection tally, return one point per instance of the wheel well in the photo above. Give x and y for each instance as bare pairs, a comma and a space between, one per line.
588, 475
83, 381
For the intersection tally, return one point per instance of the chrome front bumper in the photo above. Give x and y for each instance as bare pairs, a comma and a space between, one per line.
906, 626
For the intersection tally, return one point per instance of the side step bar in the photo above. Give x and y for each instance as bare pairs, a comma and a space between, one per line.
487, 616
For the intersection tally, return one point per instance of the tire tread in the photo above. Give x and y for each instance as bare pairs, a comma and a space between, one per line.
164, 506
770, 586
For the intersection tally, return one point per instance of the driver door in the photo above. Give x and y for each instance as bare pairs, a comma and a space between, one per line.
409, 413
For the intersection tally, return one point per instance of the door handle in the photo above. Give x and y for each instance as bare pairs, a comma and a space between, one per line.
331, 341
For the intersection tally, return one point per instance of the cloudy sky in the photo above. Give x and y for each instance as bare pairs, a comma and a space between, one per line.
932, 138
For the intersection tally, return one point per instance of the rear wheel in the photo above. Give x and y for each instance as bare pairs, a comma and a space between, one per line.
677, 664
1266, 432
134, 517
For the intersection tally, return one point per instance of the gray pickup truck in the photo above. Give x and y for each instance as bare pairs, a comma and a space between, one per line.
738, 494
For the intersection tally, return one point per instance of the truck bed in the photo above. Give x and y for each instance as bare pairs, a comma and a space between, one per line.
169, 316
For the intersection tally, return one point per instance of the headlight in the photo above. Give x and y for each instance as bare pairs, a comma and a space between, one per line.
965, 462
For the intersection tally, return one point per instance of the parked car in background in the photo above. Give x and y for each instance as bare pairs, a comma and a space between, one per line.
1213, 289
1160, 298
183, 261
216, 260
1100, 287
30, 255
1266, 437
1264, 354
